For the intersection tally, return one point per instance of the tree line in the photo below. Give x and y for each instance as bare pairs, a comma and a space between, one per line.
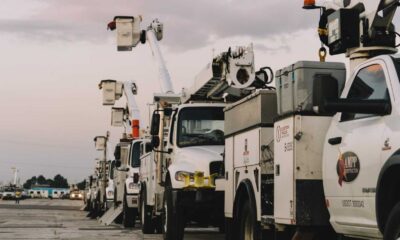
57, 182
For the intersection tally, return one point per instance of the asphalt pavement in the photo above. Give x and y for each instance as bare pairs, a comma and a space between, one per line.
63, 219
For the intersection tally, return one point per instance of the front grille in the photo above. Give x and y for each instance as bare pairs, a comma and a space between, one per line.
217, 167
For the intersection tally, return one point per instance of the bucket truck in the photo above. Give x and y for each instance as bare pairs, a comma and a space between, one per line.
126, 165
321, 159
98, 193
179, 174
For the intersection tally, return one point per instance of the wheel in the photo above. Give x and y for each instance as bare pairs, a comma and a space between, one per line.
249, 228
93, 212
129, 215
146, 212
88, 205
392, 228
172, 219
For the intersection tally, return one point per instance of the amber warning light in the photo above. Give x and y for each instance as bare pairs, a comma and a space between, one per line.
309, 4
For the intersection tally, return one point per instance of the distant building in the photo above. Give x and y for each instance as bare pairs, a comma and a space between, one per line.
45, 191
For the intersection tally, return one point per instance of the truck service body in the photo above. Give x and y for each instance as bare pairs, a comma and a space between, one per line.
319, 159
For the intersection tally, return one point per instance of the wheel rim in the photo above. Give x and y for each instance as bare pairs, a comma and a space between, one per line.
248, 228
165, 217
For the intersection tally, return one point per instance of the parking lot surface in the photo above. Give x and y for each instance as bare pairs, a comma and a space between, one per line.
63, 219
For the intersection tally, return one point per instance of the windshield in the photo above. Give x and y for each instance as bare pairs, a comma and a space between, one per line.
135, 155
201, 126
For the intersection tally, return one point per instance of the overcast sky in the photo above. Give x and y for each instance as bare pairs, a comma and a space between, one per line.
54, 53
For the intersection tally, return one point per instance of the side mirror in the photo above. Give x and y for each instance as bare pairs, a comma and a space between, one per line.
325, 88
372, 106
117, 163
148, 147
155, 124
326, 100
117, 153
155, 141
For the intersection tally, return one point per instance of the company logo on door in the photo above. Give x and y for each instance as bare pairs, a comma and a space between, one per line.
282, 132
348, 167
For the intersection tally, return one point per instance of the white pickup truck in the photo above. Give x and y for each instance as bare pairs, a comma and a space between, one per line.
311, 172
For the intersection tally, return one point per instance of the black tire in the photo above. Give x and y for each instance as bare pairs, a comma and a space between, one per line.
129, 215
146, 212
249, 228
228, 229
392, 228
172, 221
93, 212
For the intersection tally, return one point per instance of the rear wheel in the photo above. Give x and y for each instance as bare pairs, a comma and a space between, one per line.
249, 227
172, 219
129, 215
146, 215
392, 229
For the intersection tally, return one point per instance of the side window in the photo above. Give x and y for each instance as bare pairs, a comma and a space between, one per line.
171, 133
135, 160
370, 83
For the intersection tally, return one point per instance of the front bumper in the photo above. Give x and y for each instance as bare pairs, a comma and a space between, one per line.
201, 205
132, 200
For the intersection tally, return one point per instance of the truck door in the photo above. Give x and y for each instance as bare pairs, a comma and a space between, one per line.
352, 158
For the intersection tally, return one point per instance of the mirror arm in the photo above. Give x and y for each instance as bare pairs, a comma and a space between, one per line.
380, 107
169, 151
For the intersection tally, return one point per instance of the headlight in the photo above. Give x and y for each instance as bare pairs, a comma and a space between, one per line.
182, 175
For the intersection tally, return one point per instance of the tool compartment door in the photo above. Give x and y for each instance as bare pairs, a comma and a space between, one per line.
284, 168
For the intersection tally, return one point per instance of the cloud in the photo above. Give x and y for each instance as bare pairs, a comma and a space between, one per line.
188, 23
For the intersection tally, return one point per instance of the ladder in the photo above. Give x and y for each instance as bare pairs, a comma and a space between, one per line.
111, 215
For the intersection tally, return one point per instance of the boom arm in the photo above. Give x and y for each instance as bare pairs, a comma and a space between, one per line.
128, 36
154, 34
111, 92
229, 76
130, 90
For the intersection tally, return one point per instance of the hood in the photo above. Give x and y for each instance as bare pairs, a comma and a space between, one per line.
196, 158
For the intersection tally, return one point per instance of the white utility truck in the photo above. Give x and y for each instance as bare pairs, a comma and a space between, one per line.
125, 175
318, 158
98, 192
177, 176
110, 184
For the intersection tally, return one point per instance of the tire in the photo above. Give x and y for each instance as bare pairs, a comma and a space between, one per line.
249, 228
392, 228
129, 215
119, 219
93, 212
173, 221
146, 212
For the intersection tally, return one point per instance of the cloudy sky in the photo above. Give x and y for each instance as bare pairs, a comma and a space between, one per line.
54, 53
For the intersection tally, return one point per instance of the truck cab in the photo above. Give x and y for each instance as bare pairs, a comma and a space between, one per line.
196, 140
360, 155
187, 142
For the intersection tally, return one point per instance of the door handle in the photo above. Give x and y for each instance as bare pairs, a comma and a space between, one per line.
335, 140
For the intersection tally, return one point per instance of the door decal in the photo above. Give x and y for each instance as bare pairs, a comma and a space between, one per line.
348, 167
